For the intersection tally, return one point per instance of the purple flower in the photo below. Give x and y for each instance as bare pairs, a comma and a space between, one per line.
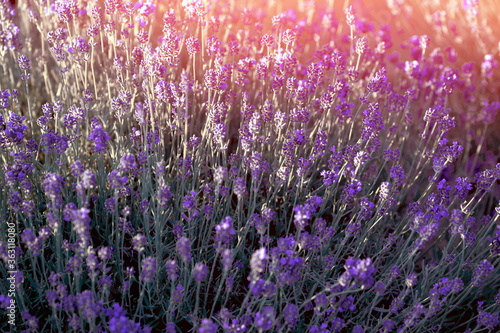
87, 306
366, 208
288, 36
359, 270
118, 321
227, 259
53, 186
74, 265
171, 269
110, 205
105, 282
258, 262
361, 46
358, 329
280, 120
170, 328
193, 45
105, 253
115, 180
291, 315
127, 163
208, 210
194, 142
414, 315
138, 242
163, 91
288, 269
489, 320
219, 132
15, 201
30, 321
495, 243
240, 187
337, 324
177, 295
481, 273
260, 288
377, 81
267, 40
88, 182
349, 14
189, 202
264, 320
445, 155
4, 302
484, 180
398, 174
215, 79
373, 122
391, 155
81, 223
322, 329
268, 215
388, 325
4, 103
351, 190
426, 233
497, 299
301, 216
219, 175
52, 298
456, 285
178, 230
224, 232
207, 326
200, 272
397, 304
148, 269
439, 292
299, 115
143, 206
183, 247
329, 177
488, 64
92, 260
33, 243
100, 138
411, 280
385, 190
489, 111
24, 63
394, 272
164, 195
77, 168
379, 288
352, 229
282, 174
361, 158
73, 118
15, 128
456, 220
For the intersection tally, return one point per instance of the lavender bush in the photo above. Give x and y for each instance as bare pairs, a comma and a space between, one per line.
176, 166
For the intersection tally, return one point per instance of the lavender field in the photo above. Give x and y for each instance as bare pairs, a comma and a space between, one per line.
249, 166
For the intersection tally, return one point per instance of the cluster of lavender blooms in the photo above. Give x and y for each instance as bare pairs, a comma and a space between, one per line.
175, 166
